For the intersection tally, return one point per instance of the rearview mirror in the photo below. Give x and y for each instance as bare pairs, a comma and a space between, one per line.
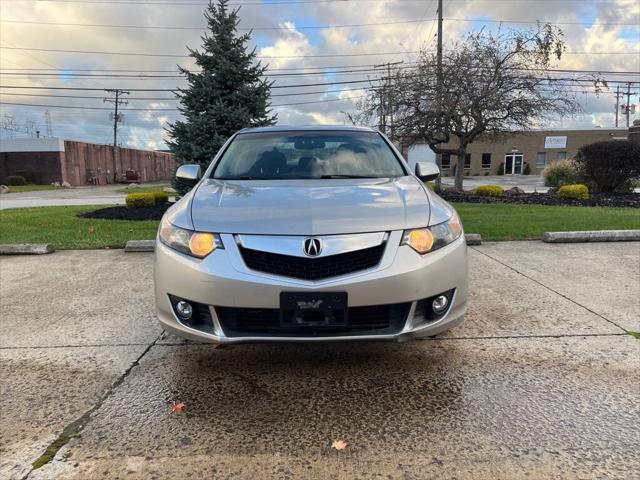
427, 171
189, 174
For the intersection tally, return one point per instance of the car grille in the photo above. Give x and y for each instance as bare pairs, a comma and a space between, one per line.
312, 268
369, 320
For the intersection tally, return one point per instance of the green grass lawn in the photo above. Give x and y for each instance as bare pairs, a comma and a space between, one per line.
61, 227
152, 188
30, 188
528, 222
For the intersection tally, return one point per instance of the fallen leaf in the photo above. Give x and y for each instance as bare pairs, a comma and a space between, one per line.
92, 229
178, 407
339, 445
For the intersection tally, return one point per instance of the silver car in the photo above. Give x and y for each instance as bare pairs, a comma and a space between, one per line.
309, 234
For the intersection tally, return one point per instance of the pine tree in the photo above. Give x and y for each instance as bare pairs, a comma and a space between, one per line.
228, 94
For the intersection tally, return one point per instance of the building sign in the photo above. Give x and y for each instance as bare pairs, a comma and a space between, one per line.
555, 142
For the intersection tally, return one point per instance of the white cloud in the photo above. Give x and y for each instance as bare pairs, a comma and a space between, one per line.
144, 129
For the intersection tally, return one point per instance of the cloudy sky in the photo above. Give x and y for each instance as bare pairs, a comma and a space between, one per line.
43, 43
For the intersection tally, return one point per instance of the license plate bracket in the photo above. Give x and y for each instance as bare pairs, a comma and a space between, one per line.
309, 309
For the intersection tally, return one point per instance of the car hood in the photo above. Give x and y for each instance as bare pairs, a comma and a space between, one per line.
309, 207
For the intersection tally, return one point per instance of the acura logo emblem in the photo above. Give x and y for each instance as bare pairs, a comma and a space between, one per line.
312, 247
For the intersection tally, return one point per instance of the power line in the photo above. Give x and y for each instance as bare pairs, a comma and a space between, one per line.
173, 27
68, 73
166, 55
294, 94
331, 70
83, 107
568, 81
304, 27
336, 55
536, 22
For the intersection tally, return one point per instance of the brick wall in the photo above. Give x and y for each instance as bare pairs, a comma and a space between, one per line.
45, 166
529, 144
86, 160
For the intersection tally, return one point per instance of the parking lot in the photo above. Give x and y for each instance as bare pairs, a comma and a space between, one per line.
541, 381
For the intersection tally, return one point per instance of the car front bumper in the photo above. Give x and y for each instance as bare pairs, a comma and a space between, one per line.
223, 280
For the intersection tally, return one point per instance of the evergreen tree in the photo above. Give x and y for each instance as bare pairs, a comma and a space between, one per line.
230, 92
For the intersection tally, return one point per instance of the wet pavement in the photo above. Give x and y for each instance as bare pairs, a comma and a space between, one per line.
541, 381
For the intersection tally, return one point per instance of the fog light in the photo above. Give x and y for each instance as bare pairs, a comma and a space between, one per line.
440, 304
184, 309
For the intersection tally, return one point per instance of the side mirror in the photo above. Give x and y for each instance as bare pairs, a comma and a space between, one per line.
189, 174
427, 171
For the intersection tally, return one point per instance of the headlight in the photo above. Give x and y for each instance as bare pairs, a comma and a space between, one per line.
196, 244
424, 240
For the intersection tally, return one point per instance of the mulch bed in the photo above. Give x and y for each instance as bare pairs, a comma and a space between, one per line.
125, 213
595, 199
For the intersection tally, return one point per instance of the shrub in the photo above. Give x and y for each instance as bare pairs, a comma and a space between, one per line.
610, 166
431, 186
138, 200
27, 174
500, 169
160, 197
16, 180
489, 191
526, 170
574, 192
559, 173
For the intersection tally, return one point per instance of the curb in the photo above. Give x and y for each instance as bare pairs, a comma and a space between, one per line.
26, 249
138, 246
473, 238
592, 236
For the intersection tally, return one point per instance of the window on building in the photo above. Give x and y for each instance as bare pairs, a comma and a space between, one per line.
561, 156
446, 161
486, 160
467, 160
541, 159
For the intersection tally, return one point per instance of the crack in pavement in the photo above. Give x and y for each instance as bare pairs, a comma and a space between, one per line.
94, 345
72, 429
549, 288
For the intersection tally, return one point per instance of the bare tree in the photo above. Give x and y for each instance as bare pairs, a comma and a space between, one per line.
494, 82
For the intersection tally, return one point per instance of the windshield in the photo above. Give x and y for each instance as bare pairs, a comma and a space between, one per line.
307, 155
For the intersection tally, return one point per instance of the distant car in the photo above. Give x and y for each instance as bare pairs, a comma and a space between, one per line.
309, 234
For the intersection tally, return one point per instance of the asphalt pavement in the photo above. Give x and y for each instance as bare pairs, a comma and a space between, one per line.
90, 195
540, 381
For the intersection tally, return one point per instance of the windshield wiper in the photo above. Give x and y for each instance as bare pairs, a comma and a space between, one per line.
234, 178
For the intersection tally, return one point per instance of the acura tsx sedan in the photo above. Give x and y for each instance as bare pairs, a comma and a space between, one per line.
309, 234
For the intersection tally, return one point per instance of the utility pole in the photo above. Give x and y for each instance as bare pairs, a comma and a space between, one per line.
439, 82
387, 103
116, 118
627, 107
617, 103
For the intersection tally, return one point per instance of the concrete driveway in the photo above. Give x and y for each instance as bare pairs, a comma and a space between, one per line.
541, 381
99, 195
529, 183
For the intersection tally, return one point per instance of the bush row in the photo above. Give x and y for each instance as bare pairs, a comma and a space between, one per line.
574, 192
14, 180
609, 166
489, 191
146, 199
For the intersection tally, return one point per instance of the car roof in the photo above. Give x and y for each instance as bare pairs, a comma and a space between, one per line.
307, 128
